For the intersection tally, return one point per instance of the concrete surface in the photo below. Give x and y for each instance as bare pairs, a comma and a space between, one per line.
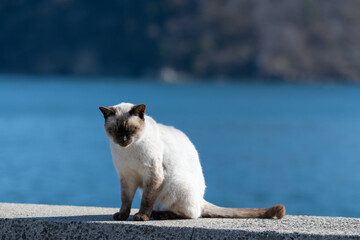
31, 221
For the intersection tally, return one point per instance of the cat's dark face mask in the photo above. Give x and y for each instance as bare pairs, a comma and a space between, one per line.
123, 132
123, 129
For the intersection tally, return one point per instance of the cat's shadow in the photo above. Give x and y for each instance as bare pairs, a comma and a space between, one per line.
80, 218
94, 218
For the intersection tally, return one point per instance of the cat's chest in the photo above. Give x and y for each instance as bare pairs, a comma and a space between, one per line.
131, 159
137, 159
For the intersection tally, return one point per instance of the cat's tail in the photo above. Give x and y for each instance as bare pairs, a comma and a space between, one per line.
212, 211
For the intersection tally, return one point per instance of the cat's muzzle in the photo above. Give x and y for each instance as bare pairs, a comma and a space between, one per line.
123, 142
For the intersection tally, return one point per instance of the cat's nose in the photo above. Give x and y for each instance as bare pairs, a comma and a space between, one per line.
124, 139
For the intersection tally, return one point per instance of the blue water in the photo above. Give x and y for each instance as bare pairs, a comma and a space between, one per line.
259, 145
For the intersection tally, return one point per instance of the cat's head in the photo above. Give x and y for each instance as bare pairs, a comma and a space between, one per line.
124, 122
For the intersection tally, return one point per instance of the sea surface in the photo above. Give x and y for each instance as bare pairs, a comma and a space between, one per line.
259, 144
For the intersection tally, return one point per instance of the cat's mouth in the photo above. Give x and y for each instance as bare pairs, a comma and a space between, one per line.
123, 144
123, 141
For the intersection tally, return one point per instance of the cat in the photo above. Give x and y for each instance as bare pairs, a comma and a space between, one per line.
162, 161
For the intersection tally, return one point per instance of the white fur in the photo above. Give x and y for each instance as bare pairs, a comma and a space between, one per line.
175, 160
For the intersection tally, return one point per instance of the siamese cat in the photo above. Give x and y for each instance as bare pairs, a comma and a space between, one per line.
162, 161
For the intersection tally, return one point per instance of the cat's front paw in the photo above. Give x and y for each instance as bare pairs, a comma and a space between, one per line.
141, 217
119, 216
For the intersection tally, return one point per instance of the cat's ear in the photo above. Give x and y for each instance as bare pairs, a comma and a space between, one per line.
107, 111
138, 110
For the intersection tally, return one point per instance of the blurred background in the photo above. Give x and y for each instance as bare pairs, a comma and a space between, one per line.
266, 90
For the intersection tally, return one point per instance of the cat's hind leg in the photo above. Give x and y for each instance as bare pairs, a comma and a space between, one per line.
164, 215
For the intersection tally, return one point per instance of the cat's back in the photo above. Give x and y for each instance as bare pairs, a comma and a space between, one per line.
178, 149
173, 137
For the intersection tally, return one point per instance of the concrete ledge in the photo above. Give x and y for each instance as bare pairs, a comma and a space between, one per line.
31, 221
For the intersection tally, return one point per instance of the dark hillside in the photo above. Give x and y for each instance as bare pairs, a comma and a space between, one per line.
299, 39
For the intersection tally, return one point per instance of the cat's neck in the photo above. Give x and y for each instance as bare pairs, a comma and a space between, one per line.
148, 133
145, 132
